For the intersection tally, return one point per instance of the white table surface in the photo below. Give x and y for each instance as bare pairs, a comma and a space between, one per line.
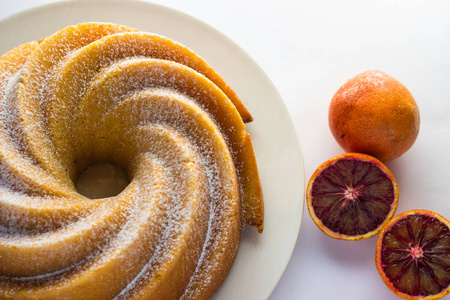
308, 49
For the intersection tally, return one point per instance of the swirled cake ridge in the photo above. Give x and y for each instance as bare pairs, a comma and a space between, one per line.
100, 92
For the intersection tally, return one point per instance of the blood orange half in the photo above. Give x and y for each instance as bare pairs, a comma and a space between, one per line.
352, 196
413, 255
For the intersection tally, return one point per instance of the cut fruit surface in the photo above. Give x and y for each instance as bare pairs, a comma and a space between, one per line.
413, 255
352, 196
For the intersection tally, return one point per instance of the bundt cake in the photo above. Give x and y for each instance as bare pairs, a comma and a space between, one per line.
98, 92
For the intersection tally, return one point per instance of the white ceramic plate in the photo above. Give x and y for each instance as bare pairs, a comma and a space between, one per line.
261, 258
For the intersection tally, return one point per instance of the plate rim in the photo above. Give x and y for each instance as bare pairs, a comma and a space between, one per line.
54, 4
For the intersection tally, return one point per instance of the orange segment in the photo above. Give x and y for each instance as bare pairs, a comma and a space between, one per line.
413, 255
352, 196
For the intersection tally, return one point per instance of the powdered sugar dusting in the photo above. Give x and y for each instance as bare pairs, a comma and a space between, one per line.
102, 92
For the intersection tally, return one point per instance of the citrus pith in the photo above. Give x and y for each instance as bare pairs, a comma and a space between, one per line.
413, 255
352, 196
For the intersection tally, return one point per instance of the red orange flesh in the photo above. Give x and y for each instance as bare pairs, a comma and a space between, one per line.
413, 255
352, 196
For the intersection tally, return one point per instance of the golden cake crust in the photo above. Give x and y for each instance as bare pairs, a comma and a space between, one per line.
97, 92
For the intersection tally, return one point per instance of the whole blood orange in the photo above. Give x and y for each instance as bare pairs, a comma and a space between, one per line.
375, 114
413, 255
352, 196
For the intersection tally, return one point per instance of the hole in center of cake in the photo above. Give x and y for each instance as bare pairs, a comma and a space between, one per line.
102, 180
